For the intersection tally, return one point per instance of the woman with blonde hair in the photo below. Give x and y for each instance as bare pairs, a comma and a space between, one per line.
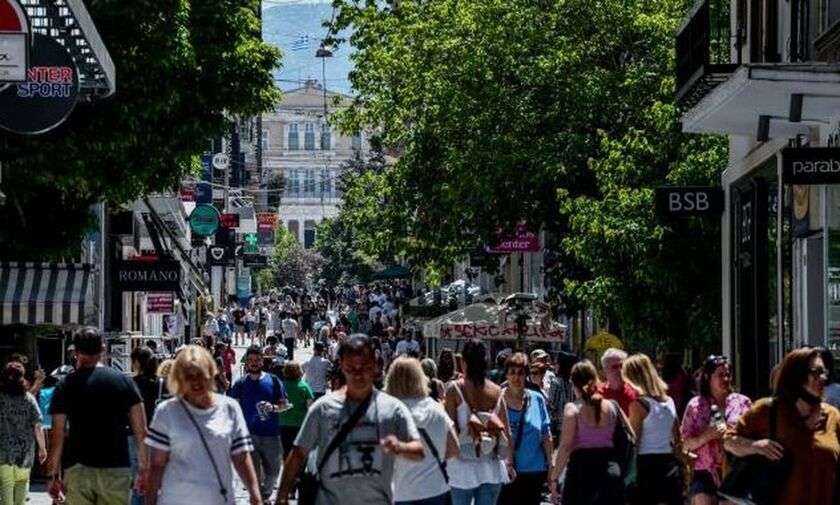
653, 417
594, 475
421, 482
195, 436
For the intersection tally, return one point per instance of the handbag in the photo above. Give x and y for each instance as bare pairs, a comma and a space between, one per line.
310, 483
756, 480
222, 489
624, 445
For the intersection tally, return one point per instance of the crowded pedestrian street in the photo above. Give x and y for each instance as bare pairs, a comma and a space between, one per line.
420, 252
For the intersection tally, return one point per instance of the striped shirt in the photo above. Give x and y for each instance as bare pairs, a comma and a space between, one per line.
189, 476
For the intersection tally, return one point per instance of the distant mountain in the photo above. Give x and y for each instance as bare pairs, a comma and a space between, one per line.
297, 29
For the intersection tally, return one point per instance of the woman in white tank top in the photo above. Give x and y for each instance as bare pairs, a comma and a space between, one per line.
653, 417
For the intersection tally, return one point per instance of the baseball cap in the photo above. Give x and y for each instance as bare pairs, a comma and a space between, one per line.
538, 354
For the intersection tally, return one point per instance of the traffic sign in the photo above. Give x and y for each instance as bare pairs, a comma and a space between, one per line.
204, 220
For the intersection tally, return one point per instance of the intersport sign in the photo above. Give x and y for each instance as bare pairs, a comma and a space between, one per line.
811, 165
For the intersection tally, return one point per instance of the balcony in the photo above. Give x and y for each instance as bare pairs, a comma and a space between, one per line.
704, 52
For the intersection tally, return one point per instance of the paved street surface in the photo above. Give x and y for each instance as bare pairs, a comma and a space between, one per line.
38, 492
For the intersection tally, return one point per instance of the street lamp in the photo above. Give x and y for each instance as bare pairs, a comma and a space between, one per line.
326, 50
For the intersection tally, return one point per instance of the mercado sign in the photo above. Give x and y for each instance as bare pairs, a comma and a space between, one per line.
500, 332
811, 165
147, 275
49, 93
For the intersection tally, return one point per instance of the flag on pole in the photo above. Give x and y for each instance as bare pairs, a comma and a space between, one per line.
301, 42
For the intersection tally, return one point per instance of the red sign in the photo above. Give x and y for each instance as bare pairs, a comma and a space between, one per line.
12, 17
266, 221
229, 220
187, 194
499, 332
160, 303
522, 241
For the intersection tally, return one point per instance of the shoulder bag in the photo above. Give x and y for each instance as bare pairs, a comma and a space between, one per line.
310, 483
624, 444
520, 428
222, 489
441, 462
756, 480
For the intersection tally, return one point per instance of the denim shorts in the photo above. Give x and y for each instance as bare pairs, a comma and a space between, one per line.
703, 483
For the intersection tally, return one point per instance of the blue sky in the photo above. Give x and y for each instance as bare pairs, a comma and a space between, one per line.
288, 21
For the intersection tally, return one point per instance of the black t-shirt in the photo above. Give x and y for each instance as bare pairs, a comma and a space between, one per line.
96, 402
152, 389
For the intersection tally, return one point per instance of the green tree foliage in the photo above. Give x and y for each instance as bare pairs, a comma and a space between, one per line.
291, 264
180, 67
554, 112
344, 260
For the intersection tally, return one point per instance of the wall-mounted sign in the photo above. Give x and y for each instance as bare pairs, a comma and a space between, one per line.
160, 303
147, 275
204, 220
221, 161
14, 42
187, 194
811, 165
49, 93
254, 260
203, 190
251, 243
266, 221
266, 237
521, 241
689, 201
243, 288
220, 255
229, 220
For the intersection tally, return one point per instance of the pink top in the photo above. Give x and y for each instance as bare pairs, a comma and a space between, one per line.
698, 415
594, 437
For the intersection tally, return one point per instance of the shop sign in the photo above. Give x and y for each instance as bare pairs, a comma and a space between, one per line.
500, 332
251, 243
811, 165
147, 275
221, 161
160, 303
220, 255
203, 190
255, 260
243, 287
522, 241
187, 194
266, 237
204, 220
683, 201
229, 220
266, 221
47, 96
14, 42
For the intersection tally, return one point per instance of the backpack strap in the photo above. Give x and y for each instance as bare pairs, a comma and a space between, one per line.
345, 430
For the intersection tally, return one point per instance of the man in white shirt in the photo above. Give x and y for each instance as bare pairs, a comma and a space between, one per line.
374, 311
290, 334
316, 371
408, 345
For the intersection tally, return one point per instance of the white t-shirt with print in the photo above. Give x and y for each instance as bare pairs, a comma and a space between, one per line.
189, 476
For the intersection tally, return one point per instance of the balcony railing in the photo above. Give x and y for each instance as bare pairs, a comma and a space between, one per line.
704, 49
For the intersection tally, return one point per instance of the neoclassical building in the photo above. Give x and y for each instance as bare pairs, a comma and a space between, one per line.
299, 144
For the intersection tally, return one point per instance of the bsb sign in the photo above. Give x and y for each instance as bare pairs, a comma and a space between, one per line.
689, 201
811, 165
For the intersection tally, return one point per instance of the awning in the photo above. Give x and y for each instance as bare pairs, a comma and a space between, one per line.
791, 98
44, 293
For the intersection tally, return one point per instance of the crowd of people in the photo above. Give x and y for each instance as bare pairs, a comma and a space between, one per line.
371, 419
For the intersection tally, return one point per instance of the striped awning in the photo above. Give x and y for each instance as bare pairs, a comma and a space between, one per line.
44, 293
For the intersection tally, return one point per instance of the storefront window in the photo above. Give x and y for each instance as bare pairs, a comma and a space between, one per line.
833, 274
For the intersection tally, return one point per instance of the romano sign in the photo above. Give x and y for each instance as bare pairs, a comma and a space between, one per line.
811, 165
147, 275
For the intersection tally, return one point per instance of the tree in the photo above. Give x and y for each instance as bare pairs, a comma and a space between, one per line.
291, 264
182, 68
344, 260
553, 112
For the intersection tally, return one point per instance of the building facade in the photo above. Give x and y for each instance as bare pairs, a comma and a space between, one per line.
301, 147
766, 73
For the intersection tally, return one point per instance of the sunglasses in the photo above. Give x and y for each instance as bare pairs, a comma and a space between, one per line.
716, 360
818, 371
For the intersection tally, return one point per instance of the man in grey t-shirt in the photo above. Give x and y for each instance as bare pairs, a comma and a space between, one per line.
364, 461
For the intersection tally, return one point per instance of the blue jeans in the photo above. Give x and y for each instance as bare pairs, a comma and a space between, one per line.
434, 500
136, 499
485, 494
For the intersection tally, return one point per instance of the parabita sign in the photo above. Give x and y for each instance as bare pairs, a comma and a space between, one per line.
147, 275
811, 165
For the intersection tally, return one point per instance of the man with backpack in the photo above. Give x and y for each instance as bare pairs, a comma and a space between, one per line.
262, 396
